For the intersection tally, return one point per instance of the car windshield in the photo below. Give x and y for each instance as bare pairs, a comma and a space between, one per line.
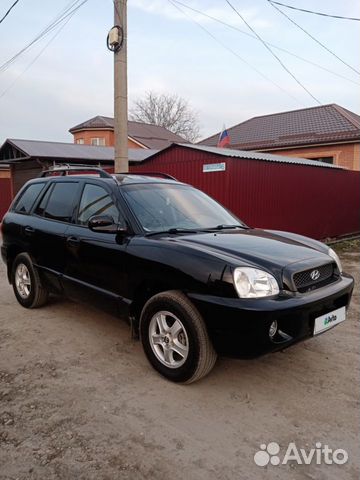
162, 207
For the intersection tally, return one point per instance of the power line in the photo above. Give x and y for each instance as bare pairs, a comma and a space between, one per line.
7, 13
63, 15
268, 43
316, 13
38, 55
273, 53
313, 38
234, 53
60, 17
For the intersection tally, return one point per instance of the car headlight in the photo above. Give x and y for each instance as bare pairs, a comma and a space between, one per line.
335, 257
254, 283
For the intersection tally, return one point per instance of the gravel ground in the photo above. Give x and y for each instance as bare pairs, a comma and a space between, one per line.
78, 400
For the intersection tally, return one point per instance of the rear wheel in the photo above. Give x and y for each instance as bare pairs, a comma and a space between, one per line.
28, 288
175, 339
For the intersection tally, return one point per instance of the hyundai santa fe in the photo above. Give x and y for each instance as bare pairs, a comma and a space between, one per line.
192, 279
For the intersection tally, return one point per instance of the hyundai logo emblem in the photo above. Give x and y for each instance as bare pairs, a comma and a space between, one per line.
315, 275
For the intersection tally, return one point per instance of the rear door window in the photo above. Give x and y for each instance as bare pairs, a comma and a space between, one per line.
60, 204
40, 208
95, 200
28, 197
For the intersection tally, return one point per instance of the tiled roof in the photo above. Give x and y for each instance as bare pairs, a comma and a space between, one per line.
323, 124
71, 151
151, 136
96, 122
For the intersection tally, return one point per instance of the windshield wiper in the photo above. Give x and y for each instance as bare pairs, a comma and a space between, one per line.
225, 227
195, 230
172, 231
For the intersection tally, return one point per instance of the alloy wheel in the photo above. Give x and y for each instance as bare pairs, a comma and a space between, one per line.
168, 339
23, 280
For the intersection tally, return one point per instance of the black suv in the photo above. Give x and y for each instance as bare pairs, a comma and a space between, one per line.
193, 280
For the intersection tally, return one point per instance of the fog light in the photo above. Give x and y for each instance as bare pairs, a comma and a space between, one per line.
273, 329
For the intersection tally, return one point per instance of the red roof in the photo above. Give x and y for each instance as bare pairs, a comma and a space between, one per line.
151, 136
323, 124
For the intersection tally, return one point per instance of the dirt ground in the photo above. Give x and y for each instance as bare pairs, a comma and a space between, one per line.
78, 400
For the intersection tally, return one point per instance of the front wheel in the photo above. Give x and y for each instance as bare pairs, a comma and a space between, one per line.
175, 339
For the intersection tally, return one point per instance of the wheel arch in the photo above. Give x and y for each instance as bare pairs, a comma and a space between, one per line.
201, 355
142, 294
12, 252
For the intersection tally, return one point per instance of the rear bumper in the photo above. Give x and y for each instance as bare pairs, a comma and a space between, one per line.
239, 327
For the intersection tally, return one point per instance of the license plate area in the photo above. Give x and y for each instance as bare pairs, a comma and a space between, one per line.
329, 320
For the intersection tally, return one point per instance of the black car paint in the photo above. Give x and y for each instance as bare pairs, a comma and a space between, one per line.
126, 269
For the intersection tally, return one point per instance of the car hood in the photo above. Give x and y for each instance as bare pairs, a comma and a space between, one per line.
261, 248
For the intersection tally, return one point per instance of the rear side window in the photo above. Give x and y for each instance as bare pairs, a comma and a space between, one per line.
96, 201
60, 202
40, 209
28, 198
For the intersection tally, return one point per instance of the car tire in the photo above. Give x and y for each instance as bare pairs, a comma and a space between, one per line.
28, 288
175, 338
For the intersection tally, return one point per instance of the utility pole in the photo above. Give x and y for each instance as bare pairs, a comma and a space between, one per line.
120, 90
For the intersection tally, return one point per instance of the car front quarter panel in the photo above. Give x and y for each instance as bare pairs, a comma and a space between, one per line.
175, 267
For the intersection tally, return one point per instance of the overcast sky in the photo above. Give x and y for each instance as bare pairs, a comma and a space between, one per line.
72, 80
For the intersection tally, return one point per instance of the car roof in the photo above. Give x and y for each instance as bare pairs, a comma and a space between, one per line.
121, 179
128, 178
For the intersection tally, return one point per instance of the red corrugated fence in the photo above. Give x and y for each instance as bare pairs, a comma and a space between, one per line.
314, 201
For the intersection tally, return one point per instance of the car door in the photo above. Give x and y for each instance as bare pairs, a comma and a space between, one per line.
50, 220
96, 262
20, 223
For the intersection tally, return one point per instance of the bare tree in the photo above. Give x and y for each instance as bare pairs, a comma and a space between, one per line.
169, 111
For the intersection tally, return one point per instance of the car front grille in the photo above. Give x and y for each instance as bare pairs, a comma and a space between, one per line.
314, 277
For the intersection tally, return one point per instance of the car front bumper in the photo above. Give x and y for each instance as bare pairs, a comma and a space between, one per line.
240, 327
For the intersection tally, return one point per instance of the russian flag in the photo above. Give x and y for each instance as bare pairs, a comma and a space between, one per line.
224, 138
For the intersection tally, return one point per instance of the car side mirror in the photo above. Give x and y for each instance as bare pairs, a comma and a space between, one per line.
105, 224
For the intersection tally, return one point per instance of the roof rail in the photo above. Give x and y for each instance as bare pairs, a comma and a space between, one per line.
157, 174
65, 169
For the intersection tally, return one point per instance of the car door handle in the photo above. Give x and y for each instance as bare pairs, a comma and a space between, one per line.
29, 230
73, 241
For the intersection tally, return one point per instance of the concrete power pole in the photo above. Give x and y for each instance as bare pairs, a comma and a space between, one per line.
120, 92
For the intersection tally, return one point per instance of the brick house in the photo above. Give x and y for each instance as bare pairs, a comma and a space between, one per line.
99, 131
328, 133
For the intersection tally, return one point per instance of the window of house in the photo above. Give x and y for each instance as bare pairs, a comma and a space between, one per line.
59, 202
28, 197
100, 142
96, 201
323, 159
80, 141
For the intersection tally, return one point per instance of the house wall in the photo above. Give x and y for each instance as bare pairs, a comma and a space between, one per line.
345, 155
5, 192
22, 172
87, 135
5, 174
318, 202
132, 144
108, 135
